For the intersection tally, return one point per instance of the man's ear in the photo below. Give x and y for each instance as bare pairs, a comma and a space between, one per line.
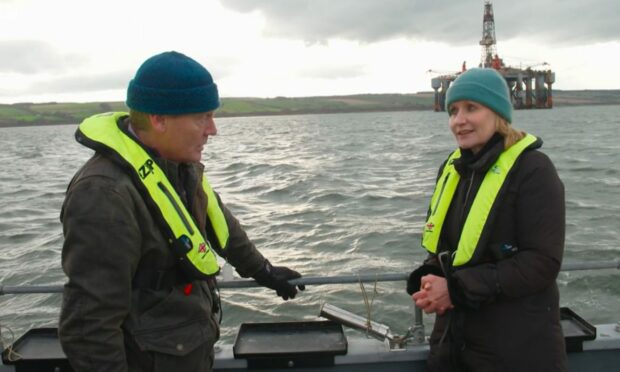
158, 123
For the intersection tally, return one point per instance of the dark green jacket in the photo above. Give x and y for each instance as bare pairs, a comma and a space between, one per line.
125, 307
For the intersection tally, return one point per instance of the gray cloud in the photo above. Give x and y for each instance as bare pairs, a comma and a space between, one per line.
70, 84
33, 56
334, 72
85, 83
38, 60
454, 22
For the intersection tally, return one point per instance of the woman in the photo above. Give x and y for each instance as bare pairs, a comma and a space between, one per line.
495, 237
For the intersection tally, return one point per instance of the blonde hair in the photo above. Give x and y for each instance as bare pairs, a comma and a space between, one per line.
139, 120
510, 134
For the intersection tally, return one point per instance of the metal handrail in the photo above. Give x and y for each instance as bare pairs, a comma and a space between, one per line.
311, 280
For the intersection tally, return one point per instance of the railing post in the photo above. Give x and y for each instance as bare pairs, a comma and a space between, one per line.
417, 330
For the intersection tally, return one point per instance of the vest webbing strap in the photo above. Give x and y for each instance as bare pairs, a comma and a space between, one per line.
482, 205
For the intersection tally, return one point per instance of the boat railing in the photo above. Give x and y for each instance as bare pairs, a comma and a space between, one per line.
309, 280
415, 333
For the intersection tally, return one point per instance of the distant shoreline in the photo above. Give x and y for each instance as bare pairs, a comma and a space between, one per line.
58, 113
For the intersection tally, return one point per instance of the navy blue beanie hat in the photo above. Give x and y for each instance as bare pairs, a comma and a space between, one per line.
171, 83
485, 86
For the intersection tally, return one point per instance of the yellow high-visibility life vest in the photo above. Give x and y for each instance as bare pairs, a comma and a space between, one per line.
481, 207
103, 134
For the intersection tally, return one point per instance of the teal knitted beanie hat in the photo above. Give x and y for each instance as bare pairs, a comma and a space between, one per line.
485, 86
172, 83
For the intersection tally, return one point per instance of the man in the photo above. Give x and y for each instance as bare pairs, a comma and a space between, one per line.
141, 226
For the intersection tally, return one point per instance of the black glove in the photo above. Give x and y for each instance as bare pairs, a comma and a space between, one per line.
277, 277
413, 282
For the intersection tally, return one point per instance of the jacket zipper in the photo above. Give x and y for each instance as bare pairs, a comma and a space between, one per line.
177, 208
471, 182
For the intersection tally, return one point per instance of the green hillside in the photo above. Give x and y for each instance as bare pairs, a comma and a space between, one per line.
53, 113
72, 113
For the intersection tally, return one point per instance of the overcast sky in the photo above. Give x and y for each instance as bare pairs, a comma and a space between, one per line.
79, 50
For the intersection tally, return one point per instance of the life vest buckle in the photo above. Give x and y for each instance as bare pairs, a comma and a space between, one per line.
182, 244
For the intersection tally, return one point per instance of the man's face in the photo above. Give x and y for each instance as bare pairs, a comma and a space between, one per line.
183, 137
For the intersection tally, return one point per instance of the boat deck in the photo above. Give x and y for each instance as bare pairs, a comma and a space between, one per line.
42, 352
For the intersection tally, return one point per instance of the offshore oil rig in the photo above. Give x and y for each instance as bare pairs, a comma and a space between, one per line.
529, 88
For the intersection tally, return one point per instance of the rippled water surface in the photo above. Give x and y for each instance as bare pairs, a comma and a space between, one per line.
327, 195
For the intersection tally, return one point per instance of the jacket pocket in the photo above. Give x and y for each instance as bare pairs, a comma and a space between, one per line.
176, 325
178, 340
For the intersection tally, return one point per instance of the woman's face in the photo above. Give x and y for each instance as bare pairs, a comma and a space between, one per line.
472, 124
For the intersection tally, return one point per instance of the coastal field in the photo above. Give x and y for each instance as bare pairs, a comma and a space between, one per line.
70, 113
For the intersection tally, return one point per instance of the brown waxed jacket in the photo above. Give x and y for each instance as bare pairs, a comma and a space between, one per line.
125, 307
506, 315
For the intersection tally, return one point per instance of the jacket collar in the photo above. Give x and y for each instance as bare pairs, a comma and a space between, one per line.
483, 159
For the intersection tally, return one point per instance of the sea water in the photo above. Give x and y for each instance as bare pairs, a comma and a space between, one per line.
335, 194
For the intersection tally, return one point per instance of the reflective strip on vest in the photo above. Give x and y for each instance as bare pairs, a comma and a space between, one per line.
215, 214
440, 202
481, 207
104, 130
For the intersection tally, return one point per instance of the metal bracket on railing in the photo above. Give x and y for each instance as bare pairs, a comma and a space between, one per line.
417, 330
338, 315
374, 329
